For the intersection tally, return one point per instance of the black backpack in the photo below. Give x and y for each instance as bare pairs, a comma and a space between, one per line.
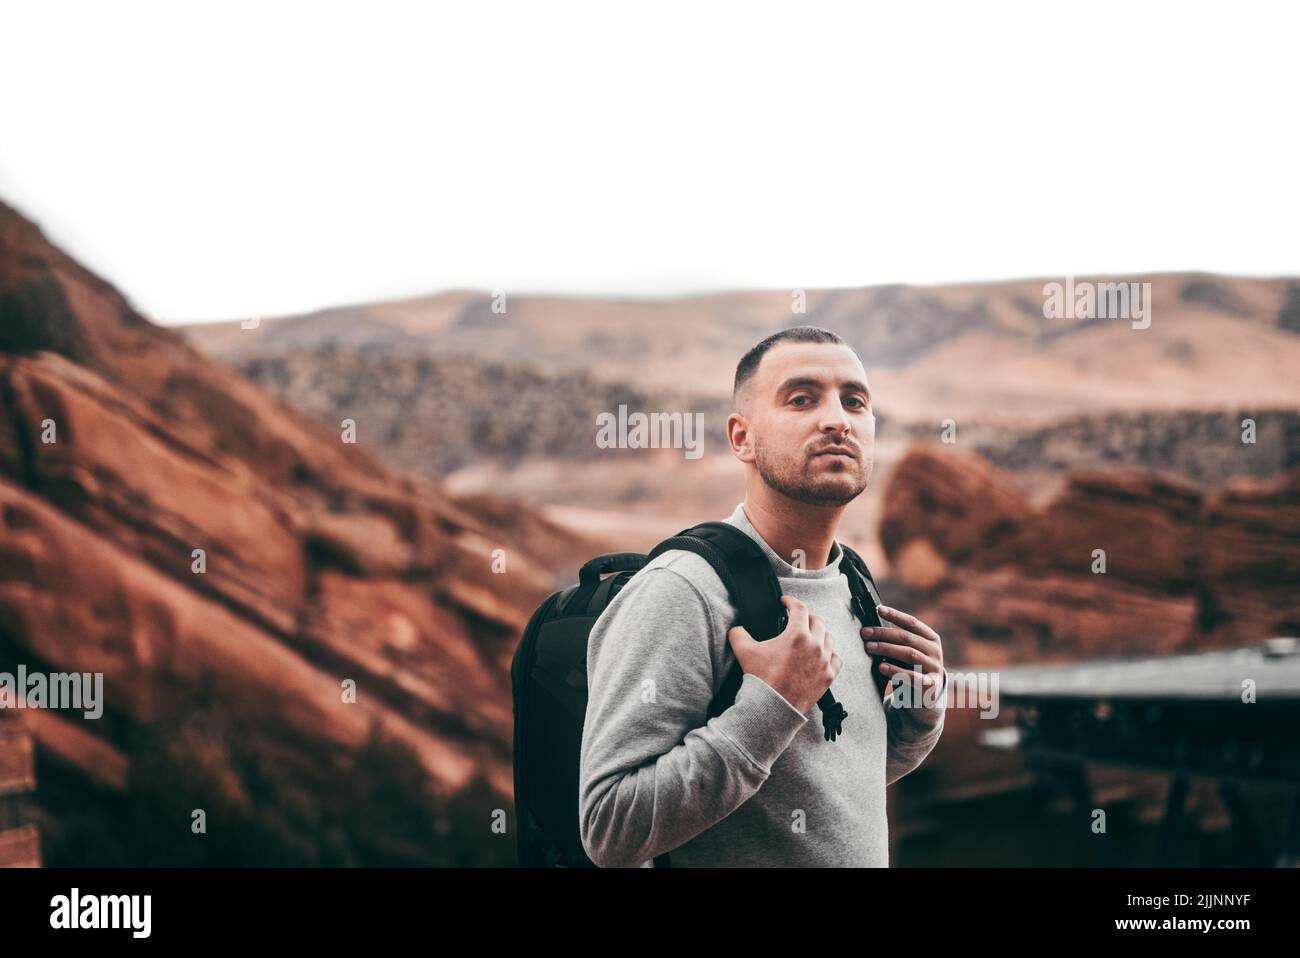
548, 675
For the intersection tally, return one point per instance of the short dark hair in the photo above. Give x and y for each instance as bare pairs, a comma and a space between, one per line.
795, 334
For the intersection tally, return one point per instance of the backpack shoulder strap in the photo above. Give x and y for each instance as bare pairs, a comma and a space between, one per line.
752, 584
865, 599
862, 585
743, 568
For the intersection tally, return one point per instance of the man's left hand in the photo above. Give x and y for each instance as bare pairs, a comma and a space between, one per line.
905, 638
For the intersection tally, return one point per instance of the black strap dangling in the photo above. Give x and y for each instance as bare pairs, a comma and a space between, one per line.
833, 720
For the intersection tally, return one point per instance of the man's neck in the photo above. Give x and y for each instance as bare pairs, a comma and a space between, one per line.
810, 529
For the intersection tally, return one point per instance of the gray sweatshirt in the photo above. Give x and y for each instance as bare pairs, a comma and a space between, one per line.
758, 784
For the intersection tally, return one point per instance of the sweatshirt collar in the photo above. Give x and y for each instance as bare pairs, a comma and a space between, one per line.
783, 568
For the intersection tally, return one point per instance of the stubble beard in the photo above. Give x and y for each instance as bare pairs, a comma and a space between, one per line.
798, 478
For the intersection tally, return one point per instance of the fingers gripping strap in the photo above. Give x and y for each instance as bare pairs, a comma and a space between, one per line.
747, 574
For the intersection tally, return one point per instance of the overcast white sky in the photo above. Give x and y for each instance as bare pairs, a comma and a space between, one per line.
257, 159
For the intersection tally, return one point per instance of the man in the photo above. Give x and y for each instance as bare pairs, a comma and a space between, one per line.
759, 784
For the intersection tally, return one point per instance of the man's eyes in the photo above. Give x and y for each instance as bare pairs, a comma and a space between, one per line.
857, 399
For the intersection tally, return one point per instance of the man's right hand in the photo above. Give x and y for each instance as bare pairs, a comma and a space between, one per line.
800, 663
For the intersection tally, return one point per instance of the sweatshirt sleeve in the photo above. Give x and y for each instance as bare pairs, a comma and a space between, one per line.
653, 773
914, 730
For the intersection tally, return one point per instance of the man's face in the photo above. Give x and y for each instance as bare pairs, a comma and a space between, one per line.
808, 398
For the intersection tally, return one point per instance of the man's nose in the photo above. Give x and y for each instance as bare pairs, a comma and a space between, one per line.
837, 420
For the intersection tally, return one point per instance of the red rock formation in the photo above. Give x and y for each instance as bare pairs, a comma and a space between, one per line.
19, 839
1011, 583
321, 566
1250, 557
955, 500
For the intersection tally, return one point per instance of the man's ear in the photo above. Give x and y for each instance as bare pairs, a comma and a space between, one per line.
740, 438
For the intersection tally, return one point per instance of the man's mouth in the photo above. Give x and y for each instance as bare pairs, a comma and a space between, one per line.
836, 452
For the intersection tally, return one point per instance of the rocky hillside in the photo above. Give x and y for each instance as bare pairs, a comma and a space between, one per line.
975, 352
438, 414
308, 647
1205, 447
